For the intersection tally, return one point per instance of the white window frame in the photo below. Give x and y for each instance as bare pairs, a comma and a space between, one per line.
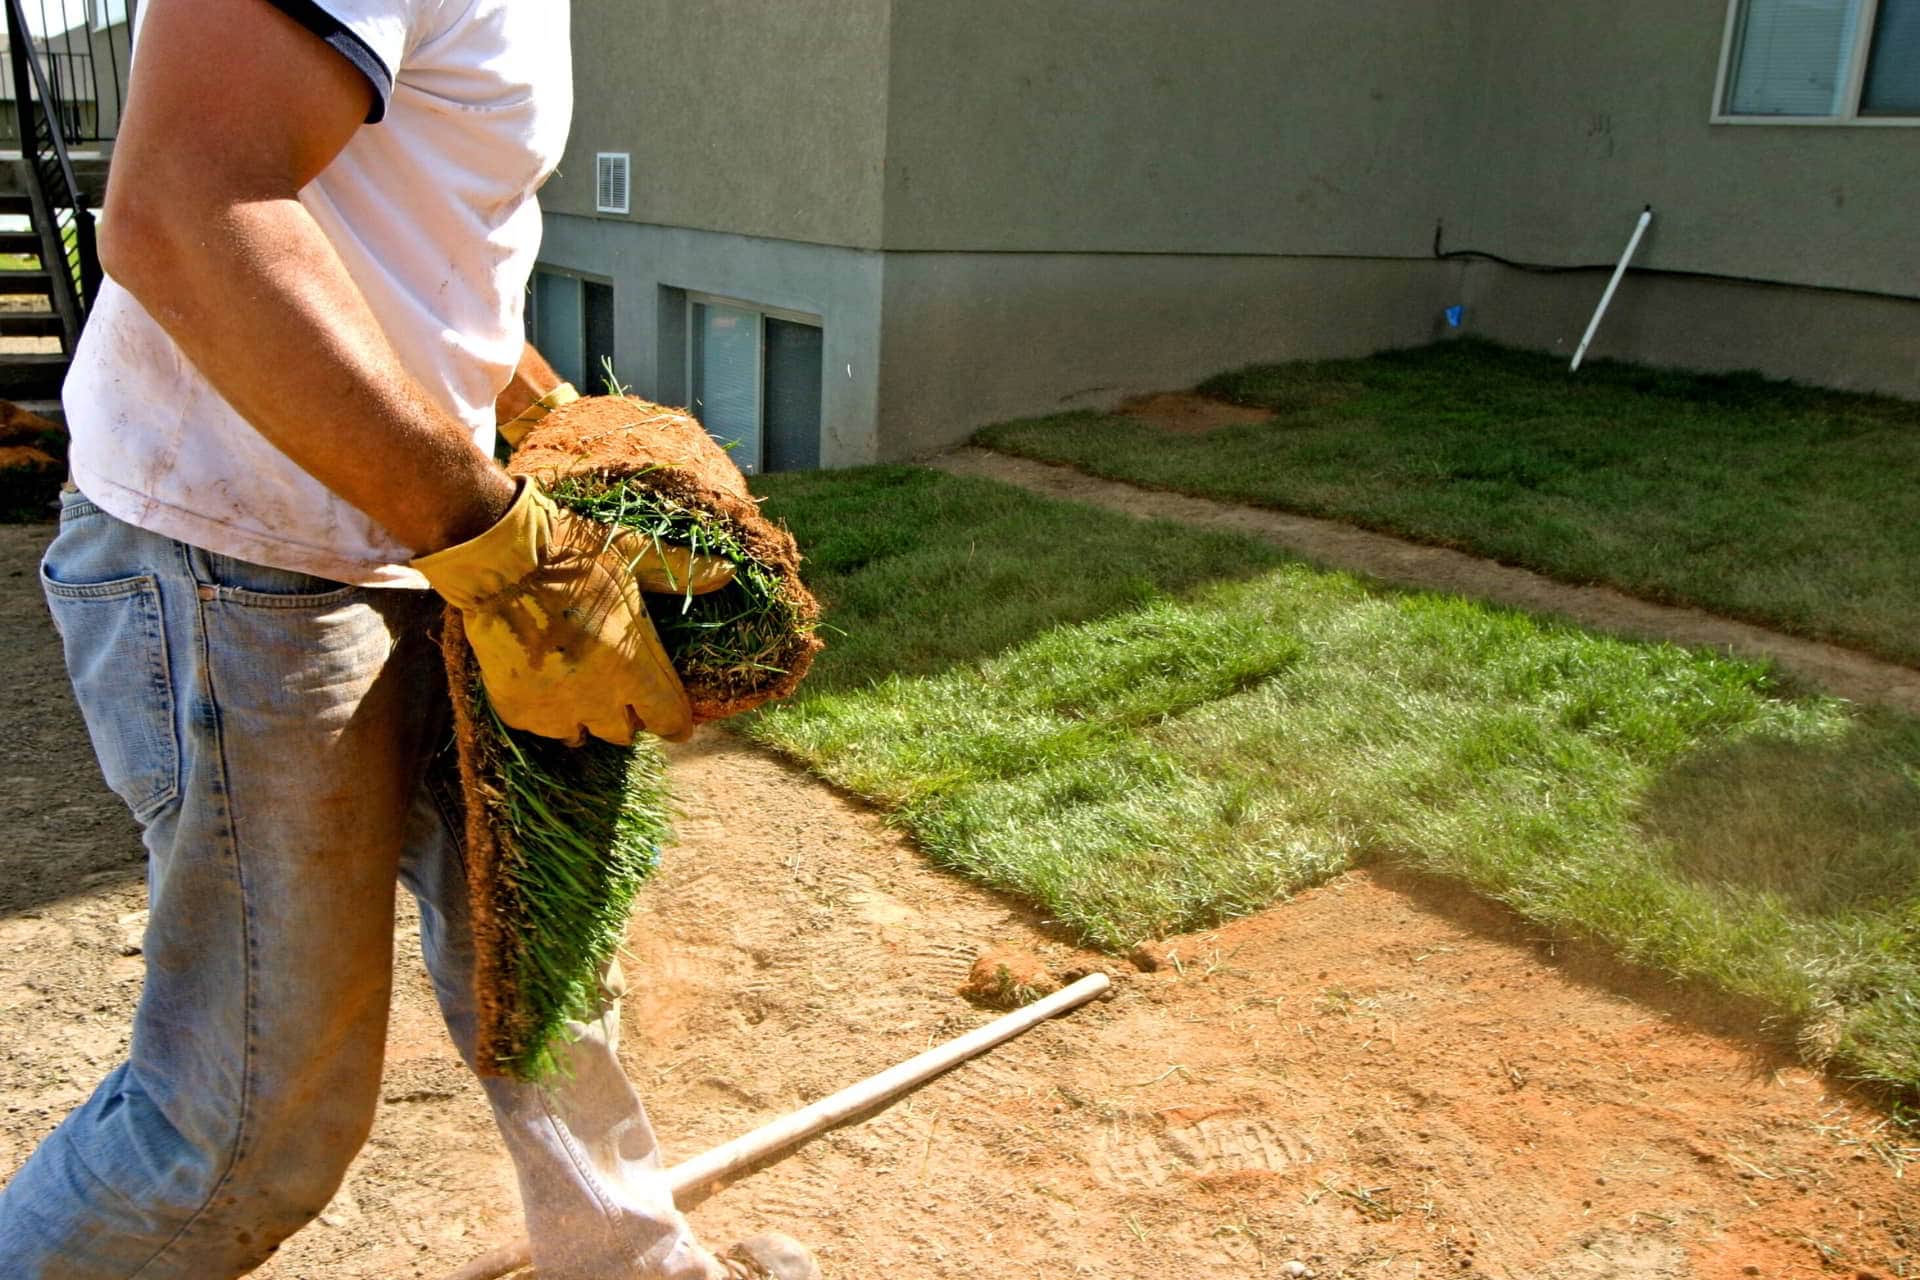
1856, 80
761, 314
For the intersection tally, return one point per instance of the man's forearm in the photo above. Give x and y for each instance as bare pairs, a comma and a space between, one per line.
257, 298
533, 377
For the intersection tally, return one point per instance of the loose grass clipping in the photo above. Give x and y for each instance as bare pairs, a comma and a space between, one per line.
559, 838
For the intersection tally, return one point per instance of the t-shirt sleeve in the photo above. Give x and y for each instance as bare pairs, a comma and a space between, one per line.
371, 34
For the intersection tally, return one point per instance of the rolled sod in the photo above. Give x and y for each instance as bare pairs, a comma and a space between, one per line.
560, 838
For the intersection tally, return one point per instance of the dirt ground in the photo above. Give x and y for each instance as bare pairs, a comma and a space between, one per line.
1381, 1078
1186, 414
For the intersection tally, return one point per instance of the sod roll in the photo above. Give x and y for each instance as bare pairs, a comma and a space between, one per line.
559, 838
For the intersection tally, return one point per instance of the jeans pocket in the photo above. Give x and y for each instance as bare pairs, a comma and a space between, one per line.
243, 582
116, 651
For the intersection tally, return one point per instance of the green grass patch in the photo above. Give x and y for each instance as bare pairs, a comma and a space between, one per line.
1147, 729
1785, 505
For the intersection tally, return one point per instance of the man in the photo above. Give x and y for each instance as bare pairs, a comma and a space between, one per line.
318, 235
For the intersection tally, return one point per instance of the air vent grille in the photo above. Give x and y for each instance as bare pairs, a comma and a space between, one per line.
611, 181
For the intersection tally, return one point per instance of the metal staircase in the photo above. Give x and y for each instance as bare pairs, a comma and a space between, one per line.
67, 82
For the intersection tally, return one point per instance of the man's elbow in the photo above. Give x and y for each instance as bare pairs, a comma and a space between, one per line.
139, 249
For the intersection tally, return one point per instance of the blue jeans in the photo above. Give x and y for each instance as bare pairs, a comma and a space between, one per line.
280, 739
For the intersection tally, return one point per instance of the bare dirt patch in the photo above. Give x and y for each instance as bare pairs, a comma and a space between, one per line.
1382, 1078
1187, 413
1844, 672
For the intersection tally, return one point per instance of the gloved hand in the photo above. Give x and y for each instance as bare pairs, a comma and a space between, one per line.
551, 603
515, 429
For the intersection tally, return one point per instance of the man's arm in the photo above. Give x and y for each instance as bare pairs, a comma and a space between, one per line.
204, 227
533, 377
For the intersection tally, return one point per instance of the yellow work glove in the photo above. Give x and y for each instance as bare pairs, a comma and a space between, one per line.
551, 603
515, 429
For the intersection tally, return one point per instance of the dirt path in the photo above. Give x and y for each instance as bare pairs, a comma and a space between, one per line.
1382, 1078
1844, 672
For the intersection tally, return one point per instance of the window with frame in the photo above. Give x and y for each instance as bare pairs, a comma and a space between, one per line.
570, 322
1820, 62
754, 379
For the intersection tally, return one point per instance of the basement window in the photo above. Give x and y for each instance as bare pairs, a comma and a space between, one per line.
754, 381
570, 322
1821, 62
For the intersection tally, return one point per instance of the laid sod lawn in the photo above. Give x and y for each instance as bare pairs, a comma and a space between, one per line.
1784, 505
1147, 729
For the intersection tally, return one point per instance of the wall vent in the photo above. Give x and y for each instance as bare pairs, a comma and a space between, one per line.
610, 181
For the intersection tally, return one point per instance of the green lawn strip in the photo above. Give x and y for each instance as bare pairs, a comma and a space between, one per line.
1785, 505
1226, 727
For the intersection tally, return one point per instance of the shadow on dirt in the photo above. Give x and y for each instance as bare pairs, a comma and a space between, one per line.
1746, 1023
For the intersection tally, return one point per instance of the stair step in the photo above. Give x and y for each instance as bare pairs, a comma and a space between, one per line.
30, 324
18, 206
52, 410
20, 242
32, 376
28, 283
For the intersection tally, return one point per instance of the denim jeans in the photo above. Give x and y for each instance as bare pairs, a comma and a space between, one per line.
280, 738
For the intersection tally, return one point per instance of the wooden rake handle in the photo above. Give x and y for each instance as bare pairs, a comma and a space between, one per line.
796, 1127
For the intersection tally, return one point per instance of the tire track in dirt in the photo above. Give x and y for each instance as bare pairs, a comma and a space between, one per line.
1844, 672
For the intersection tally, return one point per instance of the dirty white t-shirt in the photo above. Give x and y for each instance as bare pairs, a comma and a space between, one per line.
431, 206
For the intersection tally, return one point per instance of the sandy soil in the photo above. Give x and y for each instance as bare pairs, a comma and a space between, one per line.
1185, 413
1382, 1078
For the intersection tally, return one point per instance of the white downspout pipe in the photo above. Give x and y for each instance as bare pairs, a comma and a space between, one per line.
1593, 326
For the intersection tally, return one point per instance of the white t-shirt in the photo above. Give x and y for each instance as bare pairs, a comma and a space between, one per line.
431, 206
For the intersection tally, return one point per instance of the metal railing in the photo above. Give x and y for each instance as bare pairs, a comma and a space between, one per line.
83, 47
62, 210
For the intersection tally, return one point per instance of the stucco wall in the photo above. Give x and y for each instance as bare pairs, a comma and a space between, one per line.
976, 338
1164, 126
1857, 342
1584, 113
762, 119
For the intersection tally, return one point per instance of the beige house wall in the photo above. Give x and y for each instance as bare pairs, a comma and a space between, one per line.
1164, 126
974, 338
1581, 114
754, 119
1055, 204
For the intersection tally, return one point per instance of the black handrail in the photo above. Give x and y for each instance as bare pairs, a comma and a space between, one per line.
86, 63
62, 211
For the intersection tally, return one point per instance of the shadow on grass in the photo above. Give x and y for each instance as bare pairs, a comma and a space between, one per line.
1828, 826
1778, 504
921, 571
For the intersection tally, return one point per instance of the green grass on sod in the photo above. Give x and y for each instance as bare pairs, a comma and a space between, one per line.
1782, 504
1146, 729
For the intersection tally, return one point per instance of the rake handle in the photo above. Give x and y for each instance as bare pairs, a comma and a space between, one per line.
796, 1127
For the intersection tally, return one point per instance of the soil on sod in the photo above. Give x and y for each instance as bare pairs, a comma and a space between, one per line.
584, 450
1379, 1074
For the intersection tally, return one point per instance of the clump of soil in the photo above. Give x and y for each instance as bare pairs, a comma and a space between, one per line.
1154, 955
1007, 978
23, 426
31, 470
1187, 413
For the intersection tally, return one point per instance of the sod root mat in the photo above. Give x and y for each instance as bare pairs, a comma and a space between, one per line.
560, 838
